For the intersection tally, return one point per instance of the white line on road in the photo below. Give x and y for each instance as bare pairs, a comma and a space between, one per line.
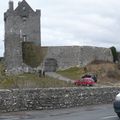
108, 117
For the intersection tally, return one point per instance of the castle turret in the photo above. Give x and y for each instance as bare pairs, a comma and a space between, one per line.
11, 6
19, 3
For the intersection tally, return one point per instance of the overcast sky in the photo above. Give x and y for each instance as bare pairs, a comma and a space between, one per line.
74, 22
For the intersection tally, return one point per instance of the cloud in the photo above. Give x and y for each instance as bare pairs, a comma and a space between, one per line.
87, 22
75, 22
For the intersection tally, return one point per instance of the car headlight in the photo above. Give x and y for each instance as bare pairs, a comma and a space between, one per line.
117, 98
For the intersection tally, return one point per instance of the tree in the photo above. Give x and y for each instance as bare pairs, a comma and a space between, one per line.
114, 53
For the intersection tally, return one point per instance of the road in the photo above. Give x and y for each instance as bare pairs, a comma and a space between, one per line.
99, 112
58, 76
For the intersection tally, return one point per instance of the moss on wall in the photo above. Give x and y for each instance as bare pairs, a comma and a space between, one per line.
32, 54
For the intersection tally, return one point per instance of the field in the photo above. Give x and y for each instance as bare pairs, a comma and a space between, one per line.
28, 81
107, 74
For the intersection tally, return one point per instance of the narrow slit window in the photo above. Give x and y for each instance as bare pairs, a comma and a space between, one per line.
24, 38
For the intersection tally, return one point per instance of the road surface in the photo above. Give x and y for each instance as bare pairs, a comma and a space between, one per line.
58, 76
99, 112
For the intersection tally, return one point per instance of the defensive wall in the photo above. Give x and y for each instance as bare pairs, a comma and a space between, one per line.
55, 98
71, 56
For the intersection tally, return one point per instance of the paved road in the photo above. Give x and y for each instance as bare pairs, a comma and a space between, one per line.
102, 112
58, 76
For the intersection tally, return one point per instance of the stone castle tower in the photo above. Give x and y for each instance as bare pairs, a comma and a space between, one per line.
21, 25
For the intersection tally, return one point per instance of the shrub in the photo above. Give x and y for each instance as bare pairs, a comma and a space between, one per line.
114, 53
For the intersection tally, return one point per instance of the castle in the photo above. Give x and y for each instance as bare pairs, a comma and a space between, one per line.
23, 25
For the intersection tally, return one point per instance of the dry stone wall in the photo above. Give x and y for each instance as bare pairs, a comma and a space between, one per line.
55, 98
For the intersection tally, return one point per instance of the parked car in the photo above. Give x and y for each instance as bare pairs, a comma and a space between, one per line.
90, 75
87, 81
116, 105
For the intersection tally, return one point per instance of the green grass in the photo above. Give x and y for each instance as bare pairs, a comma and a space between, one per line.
34, 81
72, 73
30, 81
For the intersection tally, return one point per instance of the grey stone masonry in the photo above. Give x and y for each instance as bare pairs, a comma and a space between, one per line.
71, 56
55, 98
21, 25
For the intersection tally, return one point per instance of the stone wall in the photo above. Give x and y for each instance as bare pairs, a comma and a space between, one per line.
70, 56
55, 98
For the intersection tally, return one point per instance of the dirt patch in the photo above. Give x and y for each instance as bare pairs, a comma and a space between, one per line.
107, 73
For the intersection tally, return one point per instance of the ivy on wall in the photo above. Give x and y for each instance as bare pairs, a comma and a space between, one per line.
114, 53
32, 54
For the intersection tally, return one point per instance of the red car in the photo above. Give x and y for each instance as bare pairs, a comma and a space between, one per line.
87, 81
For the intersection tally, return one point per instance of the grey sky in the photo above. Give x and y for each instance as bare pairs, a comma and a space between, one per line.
74, 22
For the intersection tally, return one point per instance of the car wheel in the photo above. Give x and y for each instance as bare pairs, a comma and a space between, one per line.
118, 115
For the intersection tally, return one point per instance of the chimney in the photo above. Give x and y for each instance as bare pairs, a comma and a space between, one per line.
11, 6
38, 12
19, 3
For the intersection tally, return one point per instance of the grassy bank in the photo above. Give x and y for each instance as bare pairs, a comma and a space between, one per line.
28, 81
72, 73
107, 73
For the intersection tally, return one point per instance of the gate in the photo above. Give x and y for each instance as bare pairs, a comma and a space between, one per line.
50, 65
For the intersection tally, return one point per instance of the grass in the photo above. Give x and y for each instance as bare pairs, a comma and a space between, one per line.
72, 73
31, 81
107, 73
28, 81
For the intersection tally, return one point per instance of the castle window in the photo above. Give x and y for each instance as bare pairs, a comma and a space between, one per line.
24, 38
24, 18
23, 8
